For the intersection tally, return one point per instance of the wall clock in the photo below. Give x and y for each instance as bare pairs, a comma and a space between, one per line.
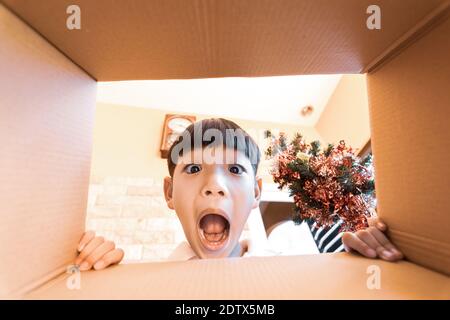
174, 125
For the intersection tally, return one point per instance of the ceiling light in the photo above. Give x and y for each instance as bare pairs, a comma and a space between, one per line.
307, 110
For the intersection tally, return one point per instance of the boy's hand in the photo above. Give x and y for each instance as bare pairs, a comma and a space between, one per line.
96, 252
372, 242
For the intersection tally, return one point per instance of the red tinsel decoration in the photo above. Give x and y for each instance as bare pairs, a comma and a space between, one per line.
327, 185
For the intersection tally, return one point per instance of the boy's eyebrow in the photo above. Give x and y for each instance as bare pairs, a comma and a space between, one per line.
202, 163
200, 160
240, 163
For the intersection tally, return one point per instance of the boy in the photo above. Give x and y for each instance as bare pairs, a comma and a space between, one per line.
212, 187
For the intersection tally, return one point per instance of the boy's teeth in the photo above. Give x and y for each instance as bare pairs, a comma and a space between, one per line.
215, 237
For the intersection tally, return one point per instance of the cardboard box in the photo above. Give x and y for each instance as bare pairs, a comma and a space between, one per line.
48, 79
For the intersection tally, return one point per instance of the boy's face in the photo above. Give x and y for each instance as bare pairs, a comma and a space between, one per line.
213, 198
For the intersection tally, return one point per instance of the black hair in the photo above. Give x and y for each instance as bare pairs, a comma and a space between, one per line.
234, 137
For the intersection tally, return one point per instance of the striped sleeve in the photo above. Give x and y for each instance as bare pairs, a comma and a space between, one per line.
327, 239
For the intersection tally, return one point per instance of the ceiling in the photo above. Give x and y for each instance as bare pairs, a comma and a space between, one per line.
271, 99
178, 39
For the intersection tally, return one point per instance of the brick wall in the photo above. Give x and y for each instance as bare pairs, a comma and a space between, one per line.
133, 213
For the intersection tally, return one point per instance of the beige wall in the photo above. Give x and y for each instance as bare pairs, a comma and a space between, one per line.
127, 140
346, 115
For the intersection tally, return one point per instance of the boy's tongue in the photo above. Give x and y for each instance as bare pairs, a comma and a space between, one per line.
213, 226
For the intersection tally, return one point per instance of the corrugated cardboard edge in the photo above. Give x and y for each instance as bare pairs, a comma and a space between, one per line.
46, 39
49, 278
410, 82
320, 276
419, 30
422, 245
26, 56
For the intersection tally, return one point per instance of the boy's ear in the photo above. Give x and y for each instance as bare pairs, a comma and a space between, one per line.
168, 188
258, 189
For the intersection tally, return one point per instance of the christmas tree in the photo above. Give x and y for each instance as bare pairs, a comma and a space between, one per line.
327, 185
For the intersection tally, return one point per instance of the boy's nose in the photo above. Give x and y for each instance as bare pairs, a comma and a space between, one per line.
211, 192
214, 187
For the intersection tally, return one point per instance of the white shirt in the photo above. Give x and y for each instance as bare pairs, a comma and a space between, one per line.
184, 252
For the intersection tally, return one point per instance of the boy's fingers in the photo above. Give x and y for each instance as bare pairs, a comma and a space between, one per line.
112, 257
376, 222
367, 237
384, 241
89, 248
352, 242
97, 254
87, 236
347, 241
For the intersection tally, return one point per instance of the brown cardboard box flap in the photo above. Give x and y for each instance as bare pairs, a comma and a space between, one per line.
409, 112
46, 119
323, 276
178, 39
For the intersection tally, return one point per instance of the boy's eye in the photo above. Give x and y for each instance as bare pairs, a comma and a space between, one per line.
237, 169
192, 168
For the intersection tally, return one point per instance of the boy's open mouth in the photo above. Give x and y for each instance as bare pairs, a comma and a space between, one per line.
214, 231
